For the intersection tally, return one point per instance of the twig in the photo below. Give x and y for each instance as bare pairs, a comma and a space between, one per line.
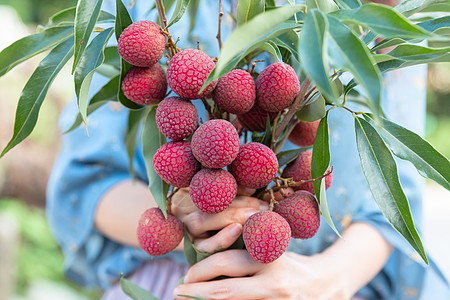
170, 45
281, 143
218, 36
254, 65
208, 108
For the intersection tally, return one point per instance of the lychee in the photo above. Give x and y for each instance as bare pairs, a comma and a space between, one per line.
177, 118
215, 143
300, 169
266, 236
175, 163
141, 44
145, 85
212, 190
158, 235
301, 211
235, 92
304, 133
187, 72
256, 118
255, 166
276, 87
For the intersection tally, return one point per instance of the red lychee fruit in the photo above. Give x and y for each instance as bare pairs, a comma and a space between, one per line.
300, 169
256, 118
301, 211
235, 92
175, 163
158, 235
215, 143
145, 85
304, 133
266, 236
276, 87
177, 118
141, 44
187, 72
255, 165
213, 190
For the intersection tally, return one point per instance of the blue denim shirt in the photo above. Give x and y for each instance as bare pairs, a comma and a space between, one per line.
87, 167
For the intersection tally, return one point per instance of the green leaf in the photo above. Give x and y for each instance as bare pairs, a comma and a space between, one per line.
313, 111
86, 17
348, 4
112, 57
134, 291
435, 24
324, 210
180, 9
134, 120
123, 19
325, 6
410, 146
192, 297
387, 43
189, 251
67, 17
247, 9
272, 49
289, 41
380, 170
92, 58
288, 156
32, 45
152, 140
321, 155
34, 92
409, 7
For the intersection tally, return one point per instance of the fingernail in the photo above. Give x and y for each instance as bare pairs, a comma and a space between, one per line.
264, 206
235, 231
249, 214
176, 292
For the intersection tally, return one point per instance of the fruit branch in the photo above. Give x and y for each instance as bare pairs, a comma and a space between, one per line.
218, 36
170, 44
290, 128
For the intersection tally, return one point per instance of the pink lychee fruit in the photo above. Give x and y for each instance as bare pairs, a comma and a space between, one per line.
145, 85
158, 235
187, 72
255, 166
176, 118
301, 211
235, 92
212, 190
266, 236
276, 87
304, 133
175, 163
141, 44
256, 118
300, 169
215, 143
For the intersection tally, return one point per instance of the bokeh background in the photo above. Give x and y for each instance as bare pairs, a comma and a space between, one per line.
30, 260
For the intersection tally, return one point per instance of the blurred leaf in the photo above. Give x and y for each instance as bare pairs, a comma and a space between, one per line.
380, 171
409, 146
325, 6
32, 45
86, 17
189, 251
321, 155
324, 210
67, 17
247, 9
313, 111
435, 24
272, 49
123, 19
134, 120
192, 297
289, 41
348, 4
409, 7
180, 9
34, 92
288, 156
134, 291
387, 43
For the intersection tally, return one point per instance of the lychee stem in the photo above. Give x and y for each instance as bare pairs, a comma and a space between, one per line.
170, 45
218, 36
290, 127
272, 200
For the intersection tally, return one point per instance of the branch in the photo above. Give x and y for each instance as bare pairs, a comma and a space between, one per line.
170, 45
218, 36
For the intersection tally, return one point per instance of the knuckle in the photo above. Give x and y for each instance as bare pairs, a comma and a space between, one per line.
195, 223
220, 291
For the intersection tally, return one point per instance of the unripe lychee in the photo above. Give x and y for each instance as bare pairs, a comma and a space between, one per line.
255, 166
145, 85
212, 190
187, 72
235, 92
300, 169
177, 118
175, 163
266, 236
215, 143
256, 118
276, 87
304, 133
141, 44
301, 211
158, 235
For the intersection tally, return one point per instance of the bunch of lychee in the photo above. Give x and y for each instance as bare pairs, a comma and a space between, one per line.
209, 158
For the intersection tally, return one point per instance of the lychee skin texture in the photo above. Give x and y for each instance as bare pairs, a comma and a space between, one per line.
301, 211
266, 236
158, 235
276, 87
304, 133
145, 85
175, 164
300, 169
256, 118
176, 118
187, 72
213, 190
141, 44
255, 166
215, 143
235, 92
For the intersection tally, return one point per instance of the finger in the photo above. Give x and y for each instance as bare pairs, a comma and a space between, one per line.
221, 240
279, 196
182, 203
244, 191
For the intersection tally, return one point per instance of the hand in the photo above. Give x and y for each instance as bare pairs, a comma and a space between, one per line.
292, 276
